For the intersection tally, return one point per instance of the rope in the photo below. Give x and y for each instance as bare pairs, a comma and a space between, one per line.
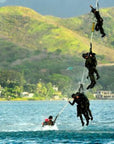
97, 5
92, 32
82, 79
93, 25
81, 88
61, 111
83, 74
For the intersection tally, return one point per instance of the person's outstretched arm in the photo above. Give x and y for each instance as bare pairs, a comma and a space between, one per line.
72, 103
55, 119
92, 9
91, 6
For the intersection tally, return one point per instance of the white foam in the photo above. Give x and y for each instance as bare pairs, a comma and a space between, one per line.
47, 127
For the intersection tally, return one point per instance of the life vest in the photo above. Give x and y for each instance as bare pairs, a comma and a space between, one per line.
46, 120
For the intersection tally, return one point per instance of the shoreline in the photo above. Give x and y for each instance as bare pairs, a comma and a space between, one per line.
31, 99
20, 99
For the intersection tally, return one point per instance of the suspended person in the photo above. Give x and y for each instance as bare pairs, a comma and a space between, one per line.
49, 121
99, 24
86, 104
91, 64
82, 107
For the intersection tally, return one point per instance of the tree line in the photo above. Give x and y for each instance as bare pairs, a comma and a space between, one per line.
13, 84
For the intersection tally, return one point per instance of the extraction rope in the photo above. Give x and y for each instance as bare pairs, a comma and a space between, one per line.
84, 70
93, 26
61, 111
81, 83
91, 40
97, 5
92, 32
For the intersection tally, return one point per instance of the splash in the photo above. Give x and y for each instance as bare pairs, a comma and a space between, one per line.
47, 128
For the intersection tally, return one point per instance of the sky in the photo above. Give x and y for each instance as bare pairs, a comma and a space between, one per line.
59, 8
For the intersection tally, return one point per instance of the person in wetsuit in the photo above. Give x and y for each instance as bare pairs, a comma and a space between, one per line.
99, 24
48, 121
91, 64
82, 107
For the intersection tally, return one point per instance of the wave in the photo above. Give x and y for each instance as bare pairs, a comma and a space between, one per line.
57, 136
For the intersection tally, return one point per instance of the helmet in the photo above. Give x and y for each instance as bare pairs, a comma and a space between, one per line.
77, 93
85, 55
73, 95
50, 117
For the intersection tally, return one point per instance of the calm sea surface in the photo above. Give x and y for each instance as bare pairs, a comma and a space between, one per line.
20, 123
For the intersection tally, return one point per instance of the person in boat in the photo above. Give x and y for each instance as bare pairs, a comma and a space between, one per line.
82, 107
49, 121
99, 24
91, 64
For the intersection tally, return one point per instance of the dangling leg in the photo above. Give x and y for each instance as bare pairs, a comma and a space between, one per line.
86, 117
96, 72
101, 29
85, 112
81, 118
97, 27
89, 111
92, 78
79, 114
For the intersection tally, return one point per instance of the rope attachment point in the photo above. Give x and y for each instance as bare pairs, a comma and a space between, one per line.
93, 27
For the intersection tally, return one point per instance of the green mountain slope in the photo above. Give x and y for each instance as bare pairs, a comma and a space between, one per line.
44, 47
36, 32
83, 25
29, 29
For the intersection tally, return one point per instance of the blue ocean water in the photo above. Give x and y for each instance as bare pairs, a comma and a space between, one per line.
20, 123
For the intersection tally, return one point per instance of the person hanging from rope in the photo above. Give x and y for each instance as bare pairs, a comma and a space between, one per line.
86, 104
91, 64
99, 24
49, 121
82, 107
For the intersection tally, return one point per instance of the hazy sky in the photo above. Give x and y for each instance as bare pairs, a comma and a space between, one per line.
60, 8
2, 1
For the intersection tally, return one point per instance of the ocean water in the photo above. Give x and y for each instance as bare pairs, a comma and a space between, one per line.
20, 123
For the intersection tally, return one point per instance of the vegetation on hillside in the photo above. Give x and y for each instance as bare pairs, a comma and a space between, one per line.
35, 47
83, 25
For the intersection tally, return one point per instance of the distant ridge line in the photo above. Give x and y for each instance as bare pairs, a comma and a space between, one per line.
108, 64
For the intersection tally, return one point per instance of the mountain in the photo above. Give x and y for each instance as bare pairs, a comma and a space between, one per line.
83, 24
44, 47
26, 28
58, 8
